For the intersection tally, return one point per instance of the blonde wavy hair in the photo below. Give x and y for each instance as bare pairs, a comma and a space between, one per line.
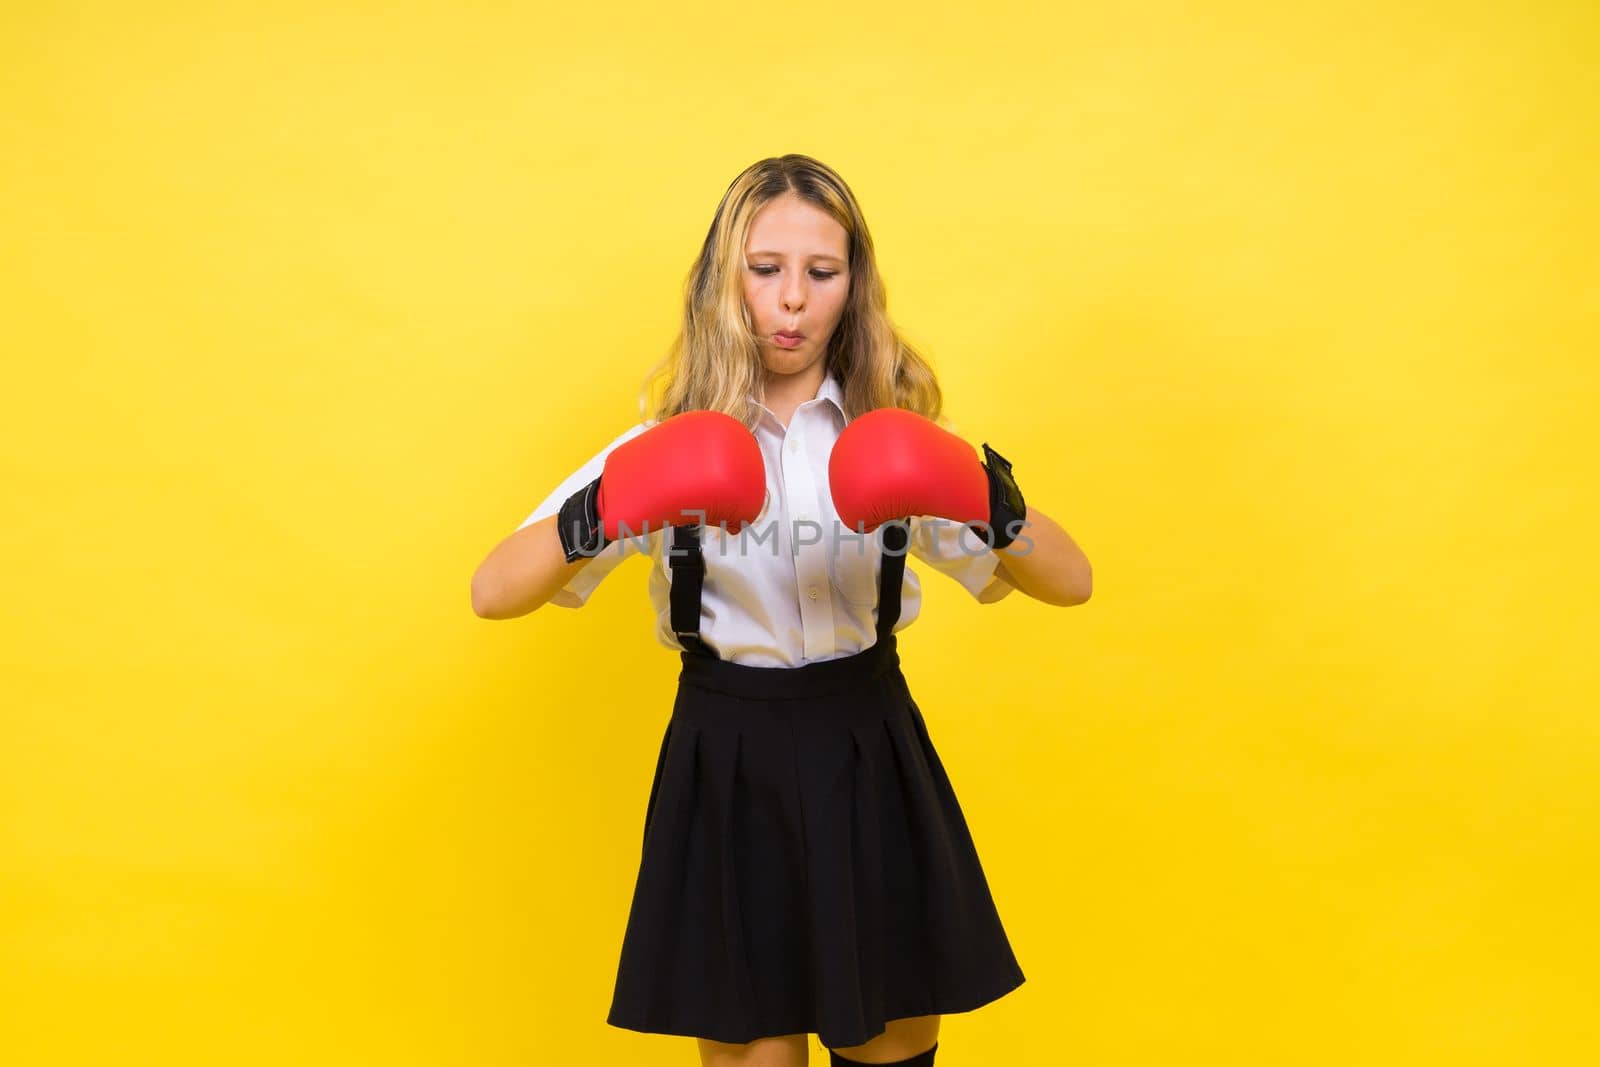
714, 363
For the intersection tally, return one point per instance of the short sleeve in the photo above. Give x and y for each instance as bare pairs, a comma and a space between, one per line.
953, 549
576, 592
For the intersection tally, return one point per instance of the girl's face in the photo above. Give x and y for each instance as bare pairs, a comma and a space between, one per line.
796, 278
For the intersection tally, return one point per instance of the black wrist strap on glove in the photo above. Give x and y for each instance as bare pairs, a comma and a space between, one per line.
1007, 509
579, 523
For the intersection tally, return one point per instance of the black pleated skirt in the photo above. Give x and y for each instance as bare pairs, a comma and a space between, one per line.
805, 865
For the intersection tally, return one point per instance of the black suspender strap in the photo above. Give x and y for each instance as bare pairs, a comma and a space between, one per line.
688, 575
688, 566
895, 536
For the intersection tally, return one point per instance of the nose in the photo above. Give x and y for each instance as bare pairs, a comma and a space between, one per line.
793, 294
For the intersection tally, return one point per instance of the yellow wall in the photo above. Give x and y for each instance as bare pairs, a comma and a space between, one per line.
1290, 318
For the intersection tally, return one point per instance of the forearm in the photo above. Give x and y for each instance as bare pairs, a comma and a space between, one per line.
523, 572
1045, 563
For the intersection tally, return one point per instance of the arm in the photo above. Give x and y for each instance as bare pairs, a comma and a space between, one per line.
523, 572
700, 463
529, 568
1045, 563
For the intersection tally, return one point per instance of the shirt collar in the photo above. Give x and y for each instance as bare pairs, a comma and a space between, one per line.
833, 391
830, 390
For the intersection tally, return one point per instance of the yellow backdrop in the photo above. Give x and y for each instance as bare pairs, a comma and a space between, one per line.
1289, 318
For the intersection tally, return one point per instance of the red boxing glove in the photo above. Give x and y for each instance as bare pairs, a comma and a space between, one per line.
695, 467
696, 461
890, 463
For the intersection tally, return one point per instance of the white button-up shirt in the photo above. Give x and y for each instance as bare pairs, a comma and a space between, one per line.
797, 586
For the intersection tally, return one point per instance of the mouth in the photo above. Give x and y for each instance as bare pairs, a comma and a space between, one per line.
788, 335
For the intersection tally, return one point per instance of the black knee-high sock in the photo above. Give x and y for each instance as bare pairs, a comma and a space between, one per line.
921, 1059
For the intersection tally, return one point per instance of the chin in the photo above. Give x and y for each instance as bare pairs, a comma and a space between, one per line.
786, 360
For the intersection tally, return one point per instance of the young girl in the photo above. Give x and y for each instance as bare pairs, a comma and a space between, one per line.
805, 866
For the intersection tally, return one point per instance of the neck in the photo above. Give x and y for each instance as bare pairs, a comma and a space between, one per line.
782, 393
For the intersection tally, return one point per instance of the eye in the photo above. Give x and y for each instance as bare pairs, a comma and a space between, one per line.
817, 273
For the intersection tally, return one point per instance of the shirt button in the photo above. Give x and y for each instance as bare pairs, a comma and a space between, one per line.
813, 592
794, 446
